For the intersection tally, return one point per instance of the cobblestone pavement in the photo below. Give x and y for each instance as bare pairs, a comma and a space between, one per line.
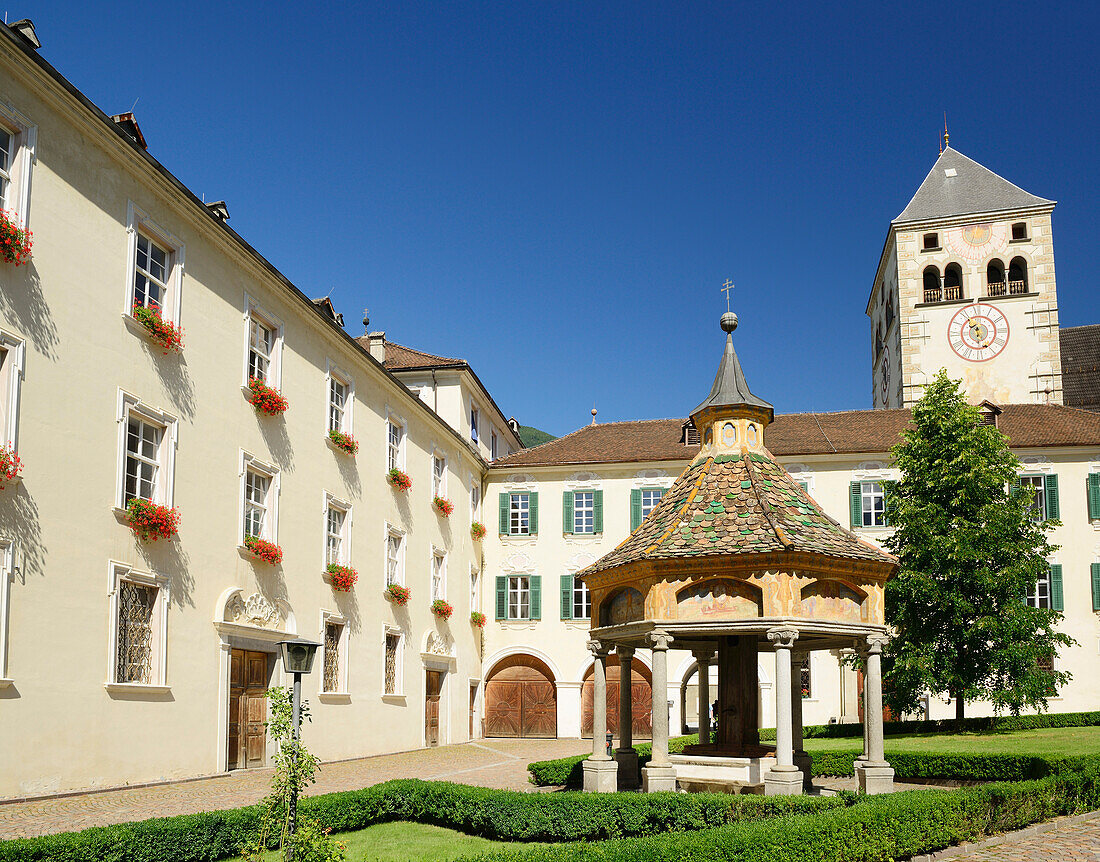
500, 763
1070, 840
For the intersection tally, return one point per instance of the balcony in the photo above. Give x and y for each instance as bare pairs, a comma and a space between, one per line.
943, 294
1000, 288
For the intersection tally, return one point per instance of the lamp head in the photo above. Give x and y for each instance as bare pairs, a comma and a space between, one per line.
298, 655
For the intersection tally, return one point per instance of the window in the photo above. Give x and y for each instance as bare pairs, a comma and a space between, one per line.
930, 241
874, 504
7, 158
395, 557
1017, 276
264, 346
582, 600
439, 476
952, 282
475, 590
155, 272
493, 446
1035, 488
337, 531
475, 499
17, 144
334, 660
519, 597
395, 445
583, 511
339, 404
804, 676
259, 499
519, 514
650, 498
473, 424
439, 575
146, 453
11, 376
138, 603
391, 668
150, 273
1019, 230
933, 289
7, 575
1039, 595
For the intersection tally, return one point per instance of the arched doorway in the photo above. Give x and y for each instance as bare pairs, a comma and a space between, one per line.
521, 699
641, 695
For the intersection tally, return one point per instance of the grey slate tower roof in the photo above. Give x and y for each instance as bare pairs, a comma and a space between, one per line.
972, 188
1080, 347
730, 387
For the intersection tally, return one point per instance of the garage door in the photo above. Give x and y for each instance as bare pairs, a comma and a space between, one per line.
521, 699
641, 695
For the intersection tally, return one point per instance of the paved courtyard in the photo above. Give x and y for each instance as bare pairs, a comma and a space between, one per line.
1072, 839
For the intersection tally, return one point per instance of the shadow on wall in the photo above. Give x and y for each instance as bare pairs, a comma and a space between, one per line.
348, 606
22, 301
174, 377
168, 558
19, 521
349, 471
273, 430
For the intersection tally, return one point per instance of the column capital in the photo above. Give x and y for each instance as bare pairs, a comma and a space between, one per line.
658, 640
783, 638
599, 649
703, 655
876, 643
624, 652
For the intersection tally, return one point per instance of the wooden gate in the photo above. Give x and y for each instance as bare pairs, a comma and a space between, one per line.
641, 696
521, 699
433, 687
249, 677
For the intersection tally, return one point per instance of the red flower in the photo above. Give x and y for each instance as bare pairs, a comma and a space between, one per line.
477, 530
399, 480
441, 609
443, 506
344, 441
398, 594
269, 552
15, 242
162, 331
10, 465
343, 578
266, 399
478, 619
150, 521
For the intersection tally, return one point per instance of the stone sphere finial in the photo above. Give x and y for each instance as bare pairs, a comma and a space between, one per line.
729, 321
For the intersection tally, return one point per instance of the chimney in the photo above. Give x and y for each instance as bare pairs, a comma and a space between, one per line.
219, 209
128, 123
377, 345
26, 29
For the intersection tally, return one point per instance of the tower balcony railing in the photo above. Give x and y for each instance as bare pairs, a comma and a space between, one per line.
1001, 288
943, 294
952, 293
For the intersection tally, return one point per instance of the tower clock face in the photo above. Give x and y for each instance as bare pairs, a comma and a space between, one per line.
978, 332
885, 372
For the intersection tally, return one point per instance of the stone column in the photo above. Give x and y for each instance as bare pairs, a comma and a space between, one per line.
659, 775
875, 774
599, 769
784, 778
625, 755
861, 651
801, 759
704, 658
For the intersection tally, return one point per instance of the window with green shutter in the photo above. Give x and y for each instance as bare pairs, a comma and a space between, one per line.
1092, 485
534, 502
505, 505
502, 597
567, 512
519, 513
536, 597
635, 509
1096, 586
1057, 603
889, 489
567, 597
855, 503
1050, 487
597, 512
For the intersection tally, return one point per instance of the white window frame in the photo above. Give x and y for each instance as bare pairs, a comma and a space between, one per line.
441, 555
519, 591
138, 222
1036, 484
116, 573
343, 651
254, 311
439, 481
329, 501
579, 527
271, 522
24, 144
866, 494
651, 490
130, 405
515, 525
7, 576
475, 588
393, 532
475, 416
493, 445
11, 380
581, 592
1034, 597
399, 668
335, 373
475, 498
396, 460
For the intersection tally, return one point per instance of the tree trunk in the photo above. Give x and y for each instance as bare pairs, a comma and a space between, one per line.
960, 707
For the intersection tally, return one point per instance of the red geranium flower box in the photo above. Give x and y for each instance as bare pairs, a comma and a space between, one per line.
344, 441
10, 465
162, 331
441, 609
398, 594
399, 479
15, 241
443, 506
343, 578
477, 530
478, 619
266, 399
150, 521
269, 552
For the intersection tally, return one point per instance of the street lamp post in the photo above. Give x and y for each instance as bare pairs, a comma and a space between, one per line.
297, 660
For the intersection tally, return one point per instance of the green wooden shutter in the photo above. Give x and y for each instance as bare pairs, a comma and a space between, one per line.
1016, 487
567, 597
635, 509
1096, 586
1056, 601
855, 503
502, 597
505, 504
533, 515
889, 489
536, 597
567, 512
597, 512
1093, 485
1050, 484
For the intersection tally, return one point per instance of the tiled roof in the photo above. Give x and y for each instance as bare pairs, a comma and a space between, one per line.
848, 432
957, 185
734, 505
401, 358
1081, 366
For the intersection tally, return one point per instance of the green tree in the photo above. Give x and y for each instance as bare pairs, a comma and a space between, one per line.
970, 551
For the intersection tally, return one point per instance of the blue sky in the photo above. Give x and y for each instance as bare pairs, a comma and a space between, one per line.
556, 191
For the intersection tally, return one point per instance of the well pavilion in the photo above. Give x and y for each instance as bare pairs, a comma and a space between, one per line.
736, 559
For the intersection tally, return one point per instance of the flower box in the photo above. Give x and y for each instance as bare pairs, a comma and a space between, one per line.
150, 521
266, 399
398, 594
163, 332
399, 480
477, 530
344, 442
15, 242
342, 578
478, 619
10, 465
443, 506
442, 610
269, 552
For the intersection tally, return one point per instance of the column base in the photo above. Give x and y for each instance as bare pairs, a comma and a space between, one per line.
805, 765
785, 783
656, 779
875, 779
600, 776
627, 758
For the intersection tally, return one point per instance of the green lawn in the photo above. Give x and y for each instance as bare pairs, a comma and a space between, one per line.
1068, 741
410, 842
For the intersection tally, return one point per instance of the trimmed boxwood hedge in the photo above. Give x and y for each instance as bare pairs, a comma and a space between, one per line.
568, 772
505, 815
878, 829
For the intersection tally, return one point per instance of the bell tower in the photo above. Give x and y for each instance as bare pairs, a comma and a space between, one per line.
966, 283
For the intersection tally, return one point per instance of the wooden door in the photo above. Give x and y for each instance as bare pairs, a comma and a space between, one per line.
473, 708
249, 676
641, 698
520, 699
539, 704
433, 687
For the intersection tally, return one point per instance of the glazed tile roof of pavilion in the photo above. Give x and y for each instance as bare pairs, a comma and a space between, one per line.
737, 505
